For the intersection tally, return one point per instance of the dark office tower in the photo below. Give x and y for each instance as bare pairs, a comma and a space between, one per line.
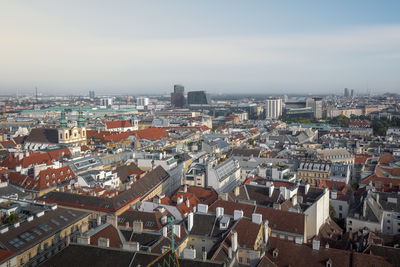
178, 96
346, 92
352, 92
91, 94
198, 97
179, 88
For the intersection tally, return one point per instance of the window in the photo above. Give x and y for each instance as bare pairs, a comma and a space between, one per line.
350, 222
37, 232
340, 207
240, 259
66, 135
16, 242
27, 236
350, 228
388, 221
55, 222
45, 227
248, 260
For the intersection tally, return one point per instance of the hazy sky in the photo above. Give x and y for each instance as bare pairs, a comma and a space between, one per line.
220, 46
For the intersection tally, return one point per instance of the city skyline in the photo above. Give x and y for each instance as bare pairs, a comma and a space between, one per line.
257, 47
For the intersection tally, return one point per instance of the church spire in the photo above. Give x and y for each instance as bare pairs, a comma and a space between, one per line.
81, 119
63, 120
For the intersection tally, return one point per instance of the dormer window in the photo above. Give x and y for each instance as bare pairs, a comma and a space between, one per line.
275, 253
329, 263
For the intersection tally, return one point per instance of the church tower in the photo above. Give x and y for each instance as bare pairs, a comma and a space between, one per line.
63, 131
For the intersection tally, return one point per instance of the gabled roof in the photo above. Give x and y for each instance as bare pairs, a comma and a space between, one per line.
13, 160
108, 231
46, 179
43, 136
118, 124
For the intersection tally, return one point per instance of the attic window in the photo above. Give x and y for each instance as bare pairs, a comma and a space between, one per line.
53, 175
61, 173
68, 171
47, 176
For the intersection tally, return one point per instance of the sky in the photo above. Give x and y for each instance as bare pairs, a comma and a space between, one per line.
139, 47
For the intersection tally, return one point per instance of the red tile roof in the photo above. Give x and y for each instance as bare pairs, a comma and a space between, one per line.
118, 124
108, 232
230, 207
151, 133
284, 221
5, 254
46, 179
386, 158
8, 144
13, 160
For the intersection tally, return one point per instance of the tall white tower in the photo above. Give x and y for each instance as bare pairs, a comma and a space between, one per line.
273, 108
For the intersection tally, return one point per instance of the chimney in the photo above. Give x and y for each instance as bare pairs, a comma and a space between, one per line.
237, 214
306, 188
219, 212
165, 231
188, 203
103, 242
266, 231
294, 200
177, 230
237, 191
112, 219
190, 221
271, 190
315, 244
179, 200
202, 208
204, 254
98, 220
83, 240
256, 218
185, 187
137, 226
131, 246
230, 253
234, 241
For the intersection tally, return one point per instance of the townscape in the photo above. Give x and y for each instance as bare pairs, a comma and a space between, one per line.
197, 179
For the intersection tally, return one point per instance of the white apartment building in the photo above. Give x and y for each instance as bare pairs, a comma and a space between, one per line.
273, 108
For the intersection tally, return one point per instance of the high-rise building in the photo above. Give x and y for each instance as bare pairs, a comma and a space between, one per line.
91, 94
317, 107
106, 102
273, 108
179, 88
352, 92
346, 92
142, 101
178, 96
198, 98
